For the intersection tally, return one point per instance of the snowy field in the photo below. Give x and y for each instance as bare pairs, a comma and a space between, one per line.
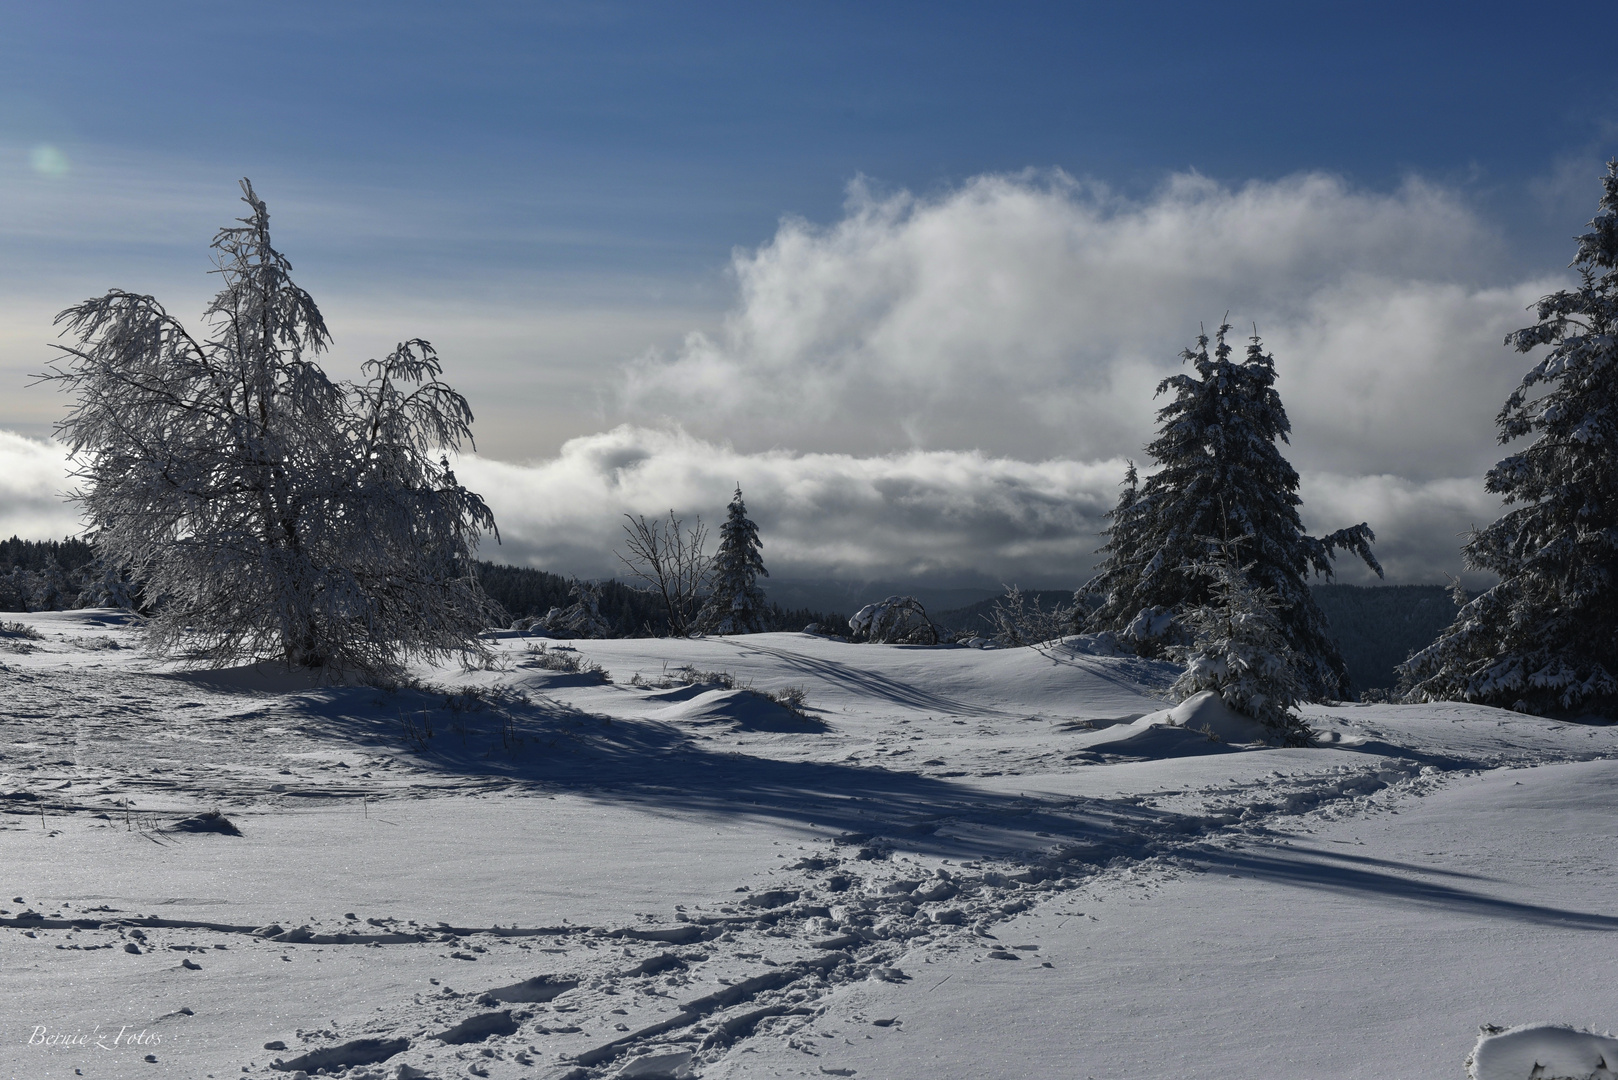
952, 863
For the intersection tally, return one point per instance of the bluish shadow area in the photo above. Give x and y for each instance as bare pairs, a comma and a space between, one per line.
877, 686
1391, 881
1381, 748
662, 768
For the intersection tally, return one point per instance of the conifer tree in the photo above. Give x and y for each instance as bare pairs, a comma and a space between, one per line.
1239, 651
737, 604
1546, 637
1222, 480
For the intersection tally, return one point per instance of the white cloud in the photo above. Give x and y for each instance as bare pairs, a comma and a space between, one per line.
927, 514
919, 513
33, 476
1032, 316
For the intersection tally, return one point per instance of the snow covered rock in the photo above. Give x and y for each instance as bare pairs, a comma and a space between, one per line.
898, 620
581, 619
1543, 1052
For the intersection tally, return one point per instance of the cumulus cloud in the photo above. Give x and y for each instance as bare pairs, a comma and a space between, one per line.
1032, 316
33, 476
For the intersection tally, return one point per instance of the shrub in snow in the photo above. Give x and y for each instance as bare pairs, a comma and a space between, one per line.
1016, 620
1542, 1052
672, 562
1153, 631
736, 605
565, 660
1546, 637
580, 619
110, 588
1221, 475
898, 620
685, 675
274, 511
1240, 652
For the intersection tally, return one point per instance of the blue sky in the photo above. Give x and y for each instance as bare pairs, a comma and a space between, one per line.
560, 194
656, 136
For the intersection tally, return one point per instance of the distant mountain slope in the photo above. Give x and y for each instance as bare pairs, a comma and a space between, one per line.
1378, 626
850, 596
976, 616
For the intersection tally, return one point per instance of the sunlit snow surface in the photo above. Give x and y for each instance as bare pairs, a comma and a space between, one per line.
958, 863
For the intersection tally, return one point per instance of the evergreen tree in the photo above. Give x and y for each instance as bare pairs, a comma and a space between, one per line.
1546, 637
1239, 651
737, 604
1222, 480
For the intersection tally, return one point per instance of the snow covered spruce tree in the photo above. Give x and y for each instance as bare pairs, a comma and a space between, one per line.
1221, 479
1239, 650
269, 510
736, 605
1546, 637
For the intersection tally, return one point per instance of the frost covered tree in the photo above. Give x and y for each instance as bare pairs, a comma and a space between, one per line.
736, 604
1221, 477
273, 511
1239, 650
674, 563
1546, 637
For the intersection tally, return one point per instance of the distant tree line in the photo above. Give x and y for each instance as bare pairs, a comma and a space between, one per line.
525, 593
47, 575
33, 555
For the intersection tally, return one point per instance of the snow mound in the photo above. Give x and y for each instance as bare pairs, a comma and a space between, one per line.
1206, 712
1201, 724
741, 709
1543, 1052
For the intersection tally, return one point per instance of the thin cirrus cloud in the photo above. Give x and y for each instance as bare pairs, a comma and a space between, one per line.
947, 385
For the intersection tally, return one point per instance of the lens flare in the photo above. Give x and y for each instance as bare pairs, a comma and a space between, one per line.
48, 161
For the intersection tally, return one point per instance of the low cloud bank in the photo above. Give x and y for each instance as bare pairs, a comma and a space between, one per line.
935, 516
922, 514
926, 515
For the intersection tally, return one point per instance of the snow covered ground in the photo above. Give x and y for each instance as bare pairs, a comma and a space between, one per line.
953, 863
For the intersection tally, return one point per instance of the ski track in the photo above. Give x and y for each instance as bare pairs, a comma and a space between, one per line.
931, 850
